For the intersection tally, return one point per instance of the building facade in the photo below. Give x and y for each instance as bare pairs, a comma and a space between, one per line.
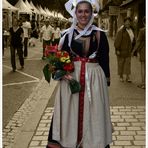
114, 11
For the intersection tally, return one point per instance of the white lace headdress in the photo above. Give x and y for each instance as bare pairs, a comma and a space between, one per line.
71, 8
71, 5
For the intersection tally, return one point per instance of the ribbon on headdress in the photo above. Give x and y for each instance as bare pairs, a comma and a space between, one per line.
69, 7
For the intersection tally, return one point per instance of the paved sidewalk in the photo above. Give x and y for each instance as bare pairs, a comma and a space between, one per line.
128, 122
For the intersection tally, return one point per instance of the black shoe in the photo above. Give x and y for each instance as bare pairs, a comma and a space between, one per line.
128, 80
43, 58
22, 67
141, 86
121, 80
14, 70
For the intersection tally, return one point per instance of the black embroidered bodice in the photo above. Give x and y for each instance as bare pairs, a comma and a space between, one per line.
87, 45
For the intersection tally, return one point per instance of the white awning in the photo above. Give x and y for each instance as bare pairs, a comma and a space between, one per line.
42, 11
34, 8
7, 5
22, 7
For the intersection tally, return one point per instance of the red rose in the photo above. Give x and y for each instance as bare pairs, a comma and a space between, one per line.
69, 67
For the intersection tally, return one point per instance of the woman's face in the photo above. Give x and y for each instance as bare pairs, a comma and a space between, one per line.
83, 14
127, 23
15, 22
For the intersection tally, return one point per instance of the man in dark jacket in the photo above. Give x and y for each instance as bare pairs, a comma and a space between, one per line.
124, 43
16, 43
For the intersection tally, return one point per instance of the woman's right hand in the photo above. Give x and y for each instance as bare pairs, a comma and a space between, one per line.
51, 67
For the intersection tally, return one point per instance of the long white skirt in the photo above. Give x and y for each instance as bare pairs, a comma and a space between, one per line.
97, 127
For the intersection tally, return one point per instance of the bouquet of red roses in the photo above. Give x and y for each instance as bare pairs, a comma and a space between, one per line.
60, 65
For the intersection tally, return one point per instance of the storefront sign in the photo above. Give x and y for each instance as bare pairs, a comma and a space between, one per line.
114, 10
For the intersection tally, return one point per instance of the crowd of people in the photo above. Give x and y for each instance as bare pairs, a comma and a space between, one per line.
24, 33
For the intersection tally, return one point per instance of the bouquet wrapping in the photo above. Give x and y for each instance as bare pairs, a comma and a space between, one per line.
60, 66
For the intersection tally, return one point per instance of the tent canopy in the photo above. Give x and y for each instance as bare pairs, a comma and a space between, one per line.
28, 5
49, 13
34, 8
8, 6
42, 11
22, 7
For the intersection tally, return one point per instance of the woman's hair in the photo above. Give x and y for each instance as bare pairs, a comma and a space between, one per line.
82, 2
143, 20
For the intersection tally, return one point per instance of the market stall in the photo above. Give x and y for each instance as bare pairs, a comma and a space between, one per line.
8, 12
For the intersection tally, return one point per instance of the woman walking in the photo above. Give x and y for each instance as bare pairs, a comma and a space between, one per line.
16, 43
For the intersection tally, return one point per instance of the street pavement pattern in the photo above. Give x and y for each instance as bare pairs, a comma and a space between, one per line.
128, 123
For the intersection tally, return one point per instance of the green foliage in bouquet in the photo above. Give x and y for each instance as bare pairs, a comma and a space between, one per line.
74, 86
47, 73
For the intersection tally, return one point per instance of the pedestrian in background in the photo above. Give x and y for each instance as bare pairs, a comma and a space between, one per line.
140, 49
16, 43
83, 119
124, 43
27, 30
34, 32
103, 25
56, 34
46, 35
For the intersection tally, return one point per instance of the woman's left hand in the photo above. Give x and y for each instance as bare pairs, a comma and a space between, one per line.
67, 77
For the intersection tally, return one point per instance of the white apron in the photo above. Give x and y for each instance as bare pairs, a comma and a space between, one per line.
97, 127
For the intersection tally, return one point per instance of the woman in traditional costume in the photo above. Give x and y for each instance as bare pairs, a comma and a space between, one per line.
82, 120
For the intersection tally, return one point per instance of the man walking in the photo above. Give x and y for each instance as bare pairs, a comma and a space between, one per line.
46, 35
26, 27
56, 35
124, 43
16, 39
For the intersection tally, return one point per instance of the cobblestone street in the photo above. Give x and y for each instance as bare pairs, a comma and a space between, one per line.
128, 122
29, 126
